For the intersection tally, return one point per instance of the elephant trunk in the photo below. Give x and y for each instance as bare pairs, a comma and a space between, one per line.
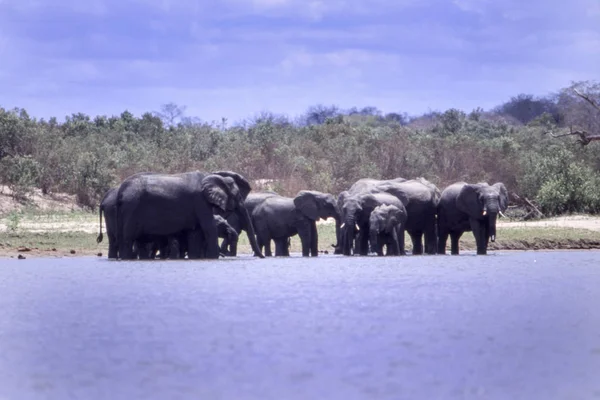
492, 226
373, 239
348, 231
491, 209
244, 216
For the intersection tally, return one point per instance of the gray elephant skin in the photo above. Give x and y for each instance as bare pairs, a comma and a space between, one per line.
386, 229
420, 199
356, 210
166, 204
278, 218
108, 207
470, 207
228, 247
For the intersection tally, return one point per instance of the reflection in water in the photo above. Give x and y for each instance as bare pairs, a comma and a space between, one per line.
508, 325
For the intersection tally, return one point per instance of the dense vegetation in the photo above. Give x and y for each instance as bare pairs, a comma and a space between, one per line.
325, 149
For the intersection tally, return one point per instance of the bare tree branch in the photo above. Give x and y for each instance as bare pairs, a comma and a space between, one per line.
584, 137
586, 98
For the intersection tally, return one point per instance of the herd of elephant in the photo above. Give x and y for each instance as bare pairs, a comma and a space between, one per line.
183, 215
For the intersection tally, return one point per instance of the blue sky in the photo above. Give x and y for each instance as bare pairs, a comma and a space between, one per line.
236, 58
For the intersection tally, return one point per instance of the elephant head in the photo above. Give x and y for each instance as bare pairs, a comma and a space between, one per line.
241, 182
483, 202
316, 205
224, 193
355, 209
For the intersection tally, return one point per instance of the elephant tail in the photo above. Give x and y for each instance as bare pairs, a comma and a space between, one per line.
100, 236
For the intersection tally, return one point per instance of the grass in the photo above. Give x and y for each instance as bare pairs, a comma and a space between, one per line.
517, 238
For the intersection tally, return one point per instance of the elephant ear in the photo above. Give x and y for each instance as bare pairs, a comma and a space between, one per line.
503, 195
306, 202
241, 182
369, 202
468, 201
215, 191
342, 199
397, 216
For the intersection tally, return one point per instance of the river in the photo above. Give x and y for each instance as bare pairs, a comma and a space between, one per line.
510, 325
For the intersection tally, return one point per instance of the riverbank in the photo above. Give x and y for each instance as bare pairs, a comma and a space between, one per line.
60, 233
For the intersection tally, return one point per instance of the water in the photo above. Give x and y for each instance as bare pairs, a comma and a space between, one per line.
511, 325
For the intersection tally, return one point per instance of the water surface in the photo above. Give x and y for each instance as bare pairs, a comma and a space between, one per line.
510, 325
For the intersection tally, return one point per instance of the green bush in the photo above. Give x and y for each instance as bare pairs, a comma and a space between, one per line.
21, 174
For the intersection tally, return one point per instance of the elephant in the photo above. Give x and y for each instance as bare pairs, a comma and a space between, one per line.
470, 207
164, 204
420, 199
252, 201
356, 210
385, 225
279, 218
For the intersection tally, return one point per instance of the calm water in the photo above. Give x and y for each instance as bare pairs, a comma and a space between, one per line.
503, 326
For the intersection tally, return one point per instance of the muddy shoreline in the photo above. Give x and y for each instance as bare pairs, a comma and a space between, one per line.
7, 252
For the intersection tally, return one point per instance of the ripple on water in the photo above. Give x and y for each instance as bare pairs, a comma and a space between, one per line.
516, 325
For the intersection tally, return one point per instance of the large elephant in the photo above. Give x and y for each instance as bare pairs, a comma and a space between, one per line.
470, 207
163, 204
356, 211
385, 229
278, 218
420, 199
252, 201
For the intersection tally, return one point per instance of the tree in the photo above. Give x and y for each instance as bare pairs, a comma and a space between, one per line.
580, 104
169, 113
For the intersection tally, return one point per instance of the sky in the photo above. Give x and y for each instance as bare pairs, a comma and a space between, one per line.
237, 58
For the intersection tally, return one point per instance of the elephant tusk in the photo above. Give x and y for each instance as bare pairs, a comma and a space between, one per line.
342, 225
502, 215
357, 227
484, 213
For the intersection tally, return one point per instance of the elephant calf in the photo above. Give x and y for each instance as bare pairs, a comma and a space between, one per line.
385, 224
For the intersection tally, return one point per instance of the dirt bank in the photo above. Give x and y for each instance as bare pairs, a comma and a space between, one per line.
54, 226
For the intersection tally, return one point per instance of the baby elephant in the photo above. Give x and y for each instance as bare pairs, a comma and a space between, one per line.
386, 228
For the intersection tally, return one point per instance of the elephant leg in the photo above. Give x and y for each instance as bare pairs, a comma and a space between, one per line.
430, 237
305, 231
281, 247
479, 232
126, 251
314, 239
195, 244
363, 249
224, 248
265, 242
113, 249
417, 241
394, 243
268, 248
144, 249
233, 247
401, 245
164, 248
442, 240
454, 241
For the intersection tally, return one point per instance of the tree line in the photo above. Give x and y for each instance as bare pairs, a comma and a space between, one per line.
327, 148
